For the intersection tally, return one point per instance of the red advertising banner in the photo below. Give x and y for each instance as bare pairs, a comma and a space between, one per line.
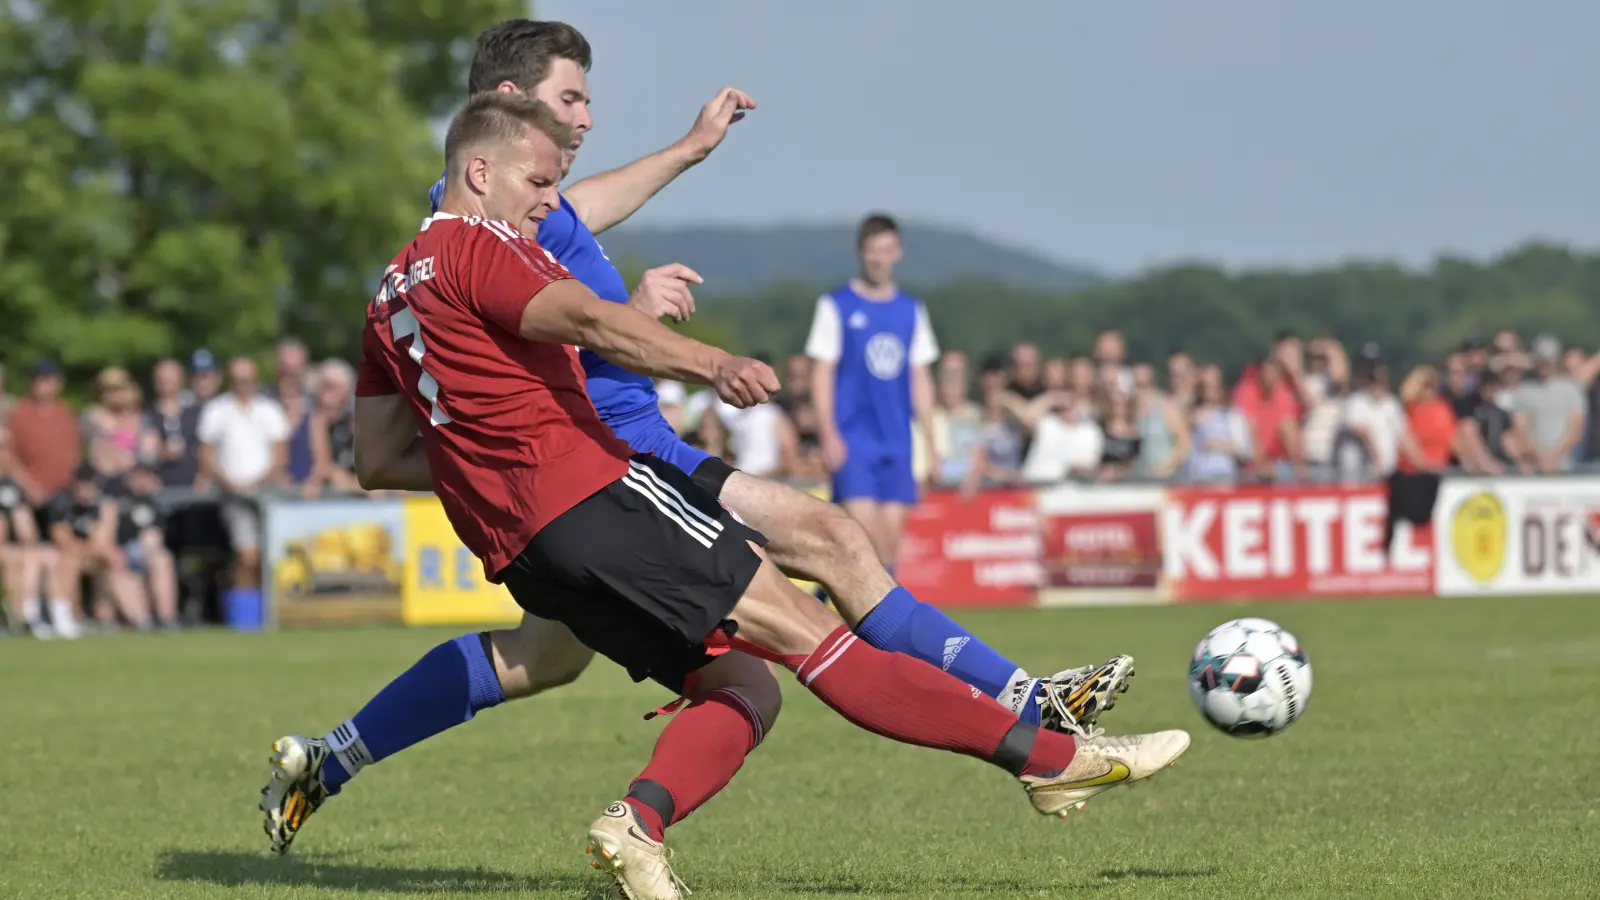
1270, 542
1102, 550
982, 551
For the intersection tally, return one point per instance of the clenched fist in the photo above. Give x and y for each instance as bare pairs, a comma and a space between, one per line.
743, 382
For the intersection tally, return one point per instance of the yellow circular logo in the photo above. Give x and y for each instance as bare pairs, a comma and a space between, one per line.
1478, 536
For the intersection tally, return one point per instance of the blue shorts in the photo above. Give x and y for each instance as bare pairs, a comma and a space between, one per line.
869, 474
654, 436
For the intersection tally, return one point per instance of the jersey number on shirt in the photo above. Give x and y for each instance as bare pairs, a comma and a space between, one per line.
404, 324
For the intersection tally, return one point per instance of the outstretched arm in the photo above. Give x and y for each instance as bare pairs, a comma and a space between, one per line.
566, 312
604, 200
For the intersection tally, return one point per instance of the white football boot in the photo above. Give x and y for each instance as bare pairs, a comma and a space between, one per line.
1103, 763
295, 790
640, 866
1072, 701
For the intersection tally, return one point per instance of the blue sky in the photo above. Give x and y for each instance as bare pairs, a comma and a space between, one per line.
1250, 132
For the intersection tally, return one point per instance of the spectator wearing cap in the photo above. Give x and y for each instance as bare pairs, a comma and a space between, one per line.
1549, 408
242, 450
333, 433
170, 439
205, 378
83, 526
111, 426
45, 441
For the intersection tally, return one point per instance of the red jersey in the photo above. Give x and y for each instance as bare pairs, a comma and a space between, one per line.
512, 439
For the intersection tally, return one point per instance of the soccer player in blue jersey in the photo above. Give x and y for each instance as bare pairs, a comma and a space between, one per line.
807, 537
872, 347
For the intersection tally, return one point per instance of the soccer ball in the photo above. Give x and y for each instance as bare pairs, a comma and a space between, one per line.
1250, 678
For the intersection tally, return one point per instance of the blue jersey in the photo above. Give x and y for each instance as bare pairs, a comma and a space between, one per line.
874, 344
619, 396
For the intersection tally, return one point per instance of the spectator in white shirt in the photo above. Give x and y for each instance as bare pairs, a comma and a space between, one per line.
243, 437
1067, 442
1374, 416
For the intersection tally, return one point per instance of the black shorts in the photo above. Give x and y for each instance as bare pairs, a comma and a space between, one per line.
643, 571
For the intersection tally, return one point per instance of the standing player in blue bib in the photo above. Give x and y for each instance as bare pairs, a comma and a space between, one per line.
549, 61
872, 347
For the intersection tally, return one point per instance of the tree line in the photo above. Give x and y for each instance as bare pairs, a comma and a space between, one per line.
1230, 317
221, 174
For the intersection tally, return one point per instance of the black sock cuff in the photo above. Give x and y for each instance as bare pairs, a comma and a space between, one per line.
654, 795
1015, 748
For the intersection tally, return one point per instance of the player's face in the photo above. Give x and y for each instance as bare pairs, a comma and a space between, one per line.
879, 254
566, 90
523, 183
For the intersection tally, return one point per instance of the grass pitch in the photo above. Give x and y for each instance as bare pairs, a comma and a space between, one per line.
1449, 749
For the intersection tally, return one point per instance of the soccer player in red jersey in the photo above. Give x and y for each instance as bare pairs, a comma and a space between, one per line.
470, 342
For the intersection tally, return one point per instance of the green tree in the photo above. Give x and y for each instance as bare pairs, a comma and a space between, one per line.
188, 172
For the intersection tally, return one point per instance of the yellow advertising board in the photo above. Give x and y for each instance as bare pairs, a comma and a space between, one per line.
444, 583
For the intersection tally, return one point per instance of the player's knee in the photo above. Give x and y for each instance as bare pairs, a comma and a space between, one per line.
765, 697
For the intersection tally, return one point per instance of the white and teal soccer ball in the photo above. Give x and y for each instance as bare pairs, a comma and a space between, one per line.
1250, 678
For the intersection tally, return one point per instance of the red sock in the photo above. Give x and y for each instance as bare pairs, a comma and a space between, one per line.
912, 702
697, 754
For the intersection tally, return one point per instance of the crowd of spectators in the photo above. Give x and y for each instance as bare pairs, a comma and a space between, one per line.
109, 515
1305, 410
103, 513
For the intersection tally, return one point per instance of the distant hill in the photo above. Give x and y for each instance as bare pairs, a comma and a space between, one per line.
738, 259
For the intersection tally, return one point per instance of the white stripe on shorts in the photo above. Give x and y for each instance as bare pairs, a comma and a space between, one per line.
682, 503
638, 484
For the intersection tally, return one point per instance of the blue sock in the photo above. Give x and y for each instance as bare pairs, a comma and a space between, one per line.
444, 688
901, 623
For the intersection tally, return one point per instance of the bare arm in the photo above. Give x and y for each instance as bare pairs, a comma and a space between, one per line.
605, 200
922, 407
206, 469
105, 527
321, 458
1182, 441
389, 452
566, 312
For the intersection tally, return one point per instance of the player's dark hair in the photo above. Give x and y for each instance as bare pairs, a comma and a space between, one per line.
495, 117
874, 225
521, 50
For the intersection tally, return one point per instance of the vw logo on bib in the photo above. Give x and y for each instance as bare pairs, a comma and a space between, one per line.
885, 355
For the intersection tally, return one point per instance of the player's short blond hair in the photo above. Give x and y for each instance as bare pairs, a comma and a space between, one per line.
498, 117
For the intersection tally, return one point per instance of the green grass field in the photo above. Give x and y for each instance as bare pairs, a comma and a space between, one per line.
1449, 750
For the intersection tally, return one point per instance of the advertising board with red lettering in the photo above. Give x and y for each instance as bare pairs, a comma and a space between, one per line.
1270, 542
1102, 544
977, 551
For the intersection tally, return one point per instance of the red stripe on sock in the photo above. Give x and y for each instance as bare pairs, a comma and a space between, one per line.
700, 750
912, 702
